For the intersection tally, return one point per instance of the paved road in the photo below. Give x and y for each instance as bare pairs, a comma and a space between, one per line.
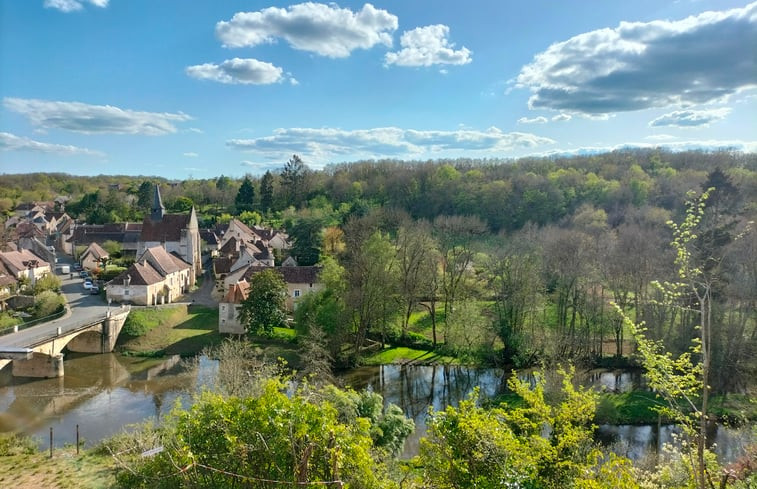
84, 307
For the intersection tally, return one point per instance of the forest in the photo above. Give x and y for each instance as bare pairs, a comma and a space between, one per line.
635, 257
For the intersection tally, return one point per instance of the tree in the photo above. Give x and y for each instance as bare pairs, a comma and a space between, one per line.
245, 198
293, 178
266, 191
145, 195
416, 258
306, 233
265, 305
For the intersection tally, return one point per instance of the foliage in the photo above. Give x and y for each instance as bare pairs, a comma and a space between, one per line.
266, 191
245, 199
47, 282
264, 307
222, 442
470, 446
47, 303
114, 248
15, 444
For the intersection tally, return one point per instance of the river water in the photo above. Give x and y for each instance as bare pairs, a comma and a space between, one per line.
104, 393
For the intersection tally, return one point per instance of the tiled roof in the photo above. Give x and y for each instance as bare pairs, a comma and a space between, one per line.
167, 229
140, 273
209, 236
18, 260
95, 250
222, 265
163, 261
237, 292
124, 232
230, 247
292, 275
6, 277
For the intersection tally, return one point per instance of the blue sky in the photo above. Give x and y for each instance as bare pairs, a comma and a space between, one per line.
178, 89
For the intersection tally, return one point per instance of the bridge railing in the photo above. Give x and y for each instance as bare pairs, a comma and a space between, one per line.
23, 325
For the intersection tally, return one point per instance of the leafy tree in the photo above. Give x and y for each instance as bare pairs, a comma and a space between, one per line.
470, 446
180, 204
48, 302
113, 248
271, 440
245, 199
47, 282
265, 305
306, 233
266, 191
250, 218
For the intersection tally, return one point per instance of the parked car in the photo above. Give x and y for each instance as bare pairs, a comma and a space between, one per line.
94, 289
77, 267
84, 274
88, 284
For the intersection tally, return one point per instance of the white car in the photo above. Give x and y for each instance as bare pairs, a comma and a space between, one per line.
87, 284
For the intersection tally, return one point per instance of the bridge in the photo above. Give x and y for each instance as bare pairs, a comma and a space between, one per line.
36, 352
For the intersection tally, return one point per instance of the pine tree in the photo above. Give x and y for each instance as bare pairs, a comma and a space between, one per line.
245, 197
266, 192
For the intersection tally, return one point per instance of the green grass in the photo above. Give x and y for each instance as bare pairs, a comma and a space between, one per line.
401, 355
171, 330
65, 470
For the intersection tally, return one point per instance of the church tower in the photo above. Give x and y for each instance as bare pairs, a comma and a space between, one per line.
157, 211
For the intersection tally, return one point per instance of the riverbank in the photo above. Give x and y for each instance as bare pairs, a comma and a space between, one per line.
21, 467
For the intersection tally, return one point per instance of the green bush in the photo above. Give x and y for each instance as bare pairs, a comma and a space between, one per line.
14, 444
47, 303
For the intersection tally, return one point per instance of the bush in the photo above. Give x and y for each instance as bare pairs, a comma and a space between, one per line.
14, 444
47, 303
47, 282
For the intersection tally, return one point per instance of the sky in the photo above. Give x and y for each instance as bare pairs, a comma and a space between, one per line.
197, 89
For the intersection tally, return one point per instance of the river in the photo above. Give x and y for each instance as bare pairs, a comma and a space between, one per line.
104, 393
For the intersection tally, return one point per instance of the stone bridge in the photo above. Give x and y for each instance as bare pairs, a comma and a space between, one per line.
36, 352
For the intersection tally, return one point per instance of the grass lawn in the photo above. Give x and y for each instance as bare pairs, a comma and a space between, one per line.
64, 470
170, 330
401, 354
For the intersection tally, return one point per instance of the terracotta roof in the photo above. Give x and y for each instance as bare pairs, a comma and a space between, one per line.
230, 247
163, 261
292, 275
167, 229
140, 273
237, 292
96, 251
28, 230
16, 261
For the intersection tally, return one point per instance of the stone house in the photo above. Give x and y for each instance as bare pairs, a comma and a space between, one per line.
299, 281
23, 264
228, 309
157, 277
92, 257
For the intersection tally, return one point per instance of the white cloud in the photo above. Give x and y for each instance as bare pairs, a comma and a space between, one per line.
426, 46
327, 143
535, 120
639, 65
11, 142
247, 71
191, 154
73, 5
660, 137
92, 119
561, 117
690, 145
691, 118
315, 27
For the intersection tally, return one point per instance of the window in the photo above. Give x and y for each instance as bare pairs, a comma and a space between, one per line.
126, 291
296, 293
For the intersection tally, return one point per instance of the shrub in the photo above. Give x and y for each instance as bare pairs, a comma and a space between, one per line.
15, 444
47, 303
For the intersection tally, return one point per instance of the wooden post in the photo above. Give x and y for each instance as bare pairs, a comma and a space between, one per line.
77, 439
51, 442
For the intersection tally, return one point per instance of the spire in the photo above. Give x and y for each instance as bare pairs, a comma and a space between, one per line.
157, 211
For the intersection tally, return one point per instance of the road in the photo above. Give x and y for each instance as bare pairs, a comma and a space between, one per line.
84, 307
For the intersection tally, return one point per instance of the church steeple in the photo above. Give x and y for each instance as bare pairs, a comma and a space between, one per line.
157, 211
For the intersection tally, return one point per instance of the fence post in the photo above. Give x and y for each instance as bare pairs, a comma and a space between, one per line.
77, 439
51, 442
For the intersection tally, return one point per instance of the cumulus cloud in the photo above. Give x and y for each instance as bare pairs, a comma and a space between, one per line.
315, 27
561, 117
660, 137
326, 143
534, 120
243, 71
639, 65
73, 5
426, 46
690, 118
92, 119
191, 154
11, 142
